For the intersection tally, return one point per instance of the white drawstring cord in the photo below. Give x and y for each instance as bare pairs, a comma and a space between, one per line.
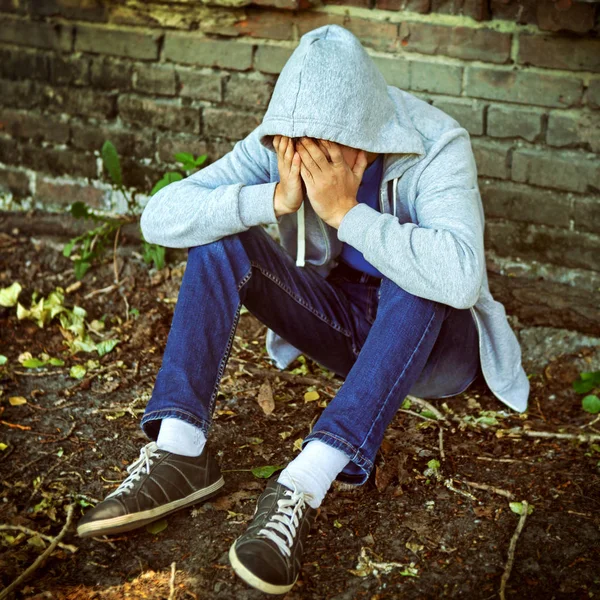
301, 242
135, 469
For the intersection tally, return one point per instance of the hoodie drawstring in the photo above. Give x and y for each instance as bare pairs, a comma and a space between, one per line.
301, 240
301, 246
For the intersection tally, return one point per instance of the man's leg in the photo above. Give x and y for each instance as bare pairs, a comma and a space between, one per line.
251, 269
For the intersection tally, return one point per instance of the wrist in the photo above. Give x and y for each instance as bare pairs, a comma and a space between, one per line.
337, 220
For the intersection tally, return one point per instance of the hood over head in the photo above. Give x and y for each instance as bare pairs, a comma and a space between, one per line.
330, 88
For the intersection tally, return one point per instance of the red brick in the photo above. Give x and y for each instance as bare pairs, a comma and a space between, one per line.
575, 16
459, 42
307, 21
162, 114
79, 101
476, 9
90, 136
64, 194
22, 94
522, 12
28, 125
267, 24
418, 6
89, 10
230, 124
357, 3
15, 182
54, 36
126, 42
59, 162
374, 34
559, 52
22, 63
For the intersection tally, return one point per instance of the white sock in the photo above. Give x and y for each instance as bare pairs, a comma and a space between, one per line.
314, 470
180, 437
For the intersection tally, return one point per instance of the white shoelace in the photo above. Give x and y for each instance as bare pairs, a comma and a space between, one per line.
136, 469
285, 521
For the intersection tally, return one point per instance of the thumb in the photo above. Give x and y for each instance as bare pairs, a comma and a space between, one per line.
360, 164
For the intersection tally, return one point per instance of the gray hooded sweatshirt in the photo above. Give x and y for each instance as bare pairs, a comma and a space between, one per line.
427, 236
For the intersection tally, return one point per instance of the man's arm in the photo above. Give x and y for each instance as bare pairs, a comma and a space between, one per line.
441, 257
226, 197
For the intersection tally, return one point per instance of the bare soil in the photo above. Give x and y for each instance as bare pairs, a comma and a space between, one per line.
72, 440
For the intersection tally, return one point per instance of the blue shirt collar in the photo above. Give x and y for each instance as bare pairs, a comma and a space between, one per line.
373, 172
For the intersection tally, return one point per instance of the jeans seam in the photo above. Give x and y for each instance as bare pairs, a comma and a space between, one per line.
364, 462
384, 404
300, 300
226, 353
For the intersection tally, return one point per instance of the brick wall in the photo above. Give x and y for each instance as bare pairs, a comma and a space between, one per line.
159, 77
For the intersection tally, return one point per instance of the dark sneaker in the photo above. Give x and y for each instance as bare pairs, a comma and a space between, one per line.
159, 483
269, 555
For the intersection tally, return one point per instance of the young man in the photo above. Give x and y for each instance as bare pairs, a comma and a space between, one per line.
375, 195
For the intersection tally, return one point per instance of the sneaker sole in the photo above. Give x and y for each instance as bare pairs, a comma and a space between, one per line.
135, 520
251, 579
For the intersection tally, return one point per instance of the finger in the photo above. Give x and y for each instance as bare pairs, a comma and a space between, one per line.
315, 152
360, 165
276, 140
337, 158
324, 149
307, 159
305, 173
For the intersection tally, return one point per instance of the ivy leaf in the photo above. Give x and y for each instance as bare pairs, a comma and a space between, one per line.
77, 372
167, 178
586, 382
517, 507
81, 268
591, 404
106, 346
9, 295
110, 158
33, 363
266, 471
156, 527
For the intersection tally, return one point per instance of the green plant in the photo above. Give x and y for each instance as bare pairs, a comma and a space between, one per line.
589, 382
90, 246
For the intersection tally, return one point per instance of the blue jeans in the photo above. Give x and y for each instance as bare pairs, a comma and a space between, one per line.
385, 342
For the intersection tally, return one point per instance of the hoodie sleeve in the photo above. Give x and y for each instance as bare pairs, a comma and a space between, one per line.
441, 256
228, 196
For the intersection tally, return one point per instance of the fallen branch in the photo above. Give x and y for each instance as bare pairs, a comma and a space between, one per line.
40, 559
511, 549
28, 531
582, 437
448, 484
488, 488
438, 415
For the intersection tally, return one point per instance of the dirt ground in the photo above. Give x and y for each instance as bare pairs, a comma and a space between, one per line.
409, 532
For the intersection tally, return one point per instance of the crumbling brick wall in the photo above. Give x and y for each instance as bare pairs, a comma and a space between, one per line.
159, 77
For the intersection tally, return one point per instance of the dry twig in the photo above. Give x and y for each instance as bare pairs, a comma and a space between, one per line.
488, 488
511, 549
40, 559
172, 583
28, 531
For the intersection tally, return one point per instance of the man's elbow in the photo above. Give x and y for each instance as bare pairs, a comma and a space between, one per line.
149, 227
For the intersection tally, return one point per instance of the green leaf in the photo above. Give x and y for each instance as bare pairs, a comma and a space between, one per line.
586, 382
156, 527
56, 362
9, 295
428, 413
110, 158
106, 346
165, 181
591, 404
517, 507
184, 157
33, 363
77, 372
81, 268
3, 359
266, 471
79, 210
68, 247
433, 464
